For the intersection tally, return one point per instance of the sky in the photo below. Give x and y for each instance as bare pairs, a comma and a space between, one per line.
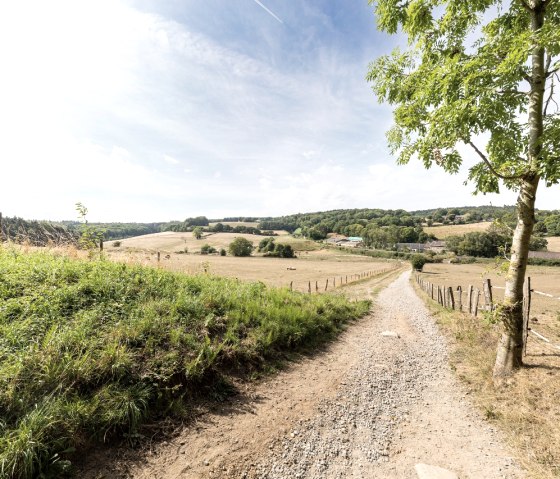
158, 110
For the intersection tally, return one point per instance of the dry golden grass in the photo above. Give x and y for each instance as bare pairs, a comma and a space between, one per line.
553, 243
170, 242
310, 266
444, 231
527, 407
545, 311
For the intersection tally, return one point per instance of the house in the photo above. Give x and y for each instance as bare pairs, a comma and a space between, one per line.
436, 246
415, 247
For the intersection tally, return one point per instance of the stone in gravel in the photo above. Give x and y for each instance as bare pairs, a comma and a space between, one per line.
425, 471
390, 334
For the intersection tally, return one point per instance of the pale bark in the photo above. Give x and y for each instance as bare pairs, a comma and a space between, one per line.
510, 346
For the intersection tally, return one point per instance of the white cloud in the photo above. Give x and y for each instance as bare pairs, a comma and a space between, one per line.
89, 116
170, 160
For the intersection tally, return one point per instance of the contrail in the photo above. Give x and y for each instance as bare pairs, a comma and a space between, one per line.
259, 3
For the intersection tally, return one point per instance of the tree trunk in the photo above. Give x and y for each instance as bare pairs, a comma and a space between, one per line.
510, 346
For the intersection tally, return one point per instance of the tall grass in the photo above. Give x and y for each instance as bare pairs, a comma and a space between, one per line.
89, 349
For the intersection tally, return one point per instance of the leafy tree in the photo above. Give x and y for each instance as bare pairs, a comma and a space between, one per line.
418, 261
448, 91
197, 232
240, 247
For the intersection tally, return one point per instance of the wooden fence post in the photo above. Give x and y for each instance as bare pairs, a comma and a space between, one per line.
316, 286
327, 284
487, 287
291, 285
475, 302
459, 298
101, 244
469, 294
451, 303
158, 256
526, 311
1, 232
432, 292
309, 287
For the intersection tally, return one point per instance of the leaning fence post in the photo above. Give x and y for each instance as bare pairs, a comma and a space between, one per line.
291, 285
526, 311
475, 303
327, 284
469, 294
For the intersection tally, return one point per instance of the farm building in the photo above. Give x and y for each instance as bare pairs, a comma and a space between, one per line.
436, 246
415, 247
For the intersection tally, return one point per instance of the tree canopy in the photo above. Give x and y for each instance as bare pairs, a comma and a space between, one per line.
479, 71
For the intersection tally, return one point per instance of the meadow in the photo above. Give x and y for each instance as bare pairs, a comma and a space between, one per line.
443, 231
90, 349
311, 265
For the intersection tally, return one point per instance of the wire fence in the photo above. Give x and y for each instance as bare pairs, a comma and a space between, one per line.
473, 299
334, 282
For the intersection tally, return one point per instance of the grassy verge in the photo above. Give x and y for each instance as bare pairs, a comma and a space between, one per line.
527, 408
91, 349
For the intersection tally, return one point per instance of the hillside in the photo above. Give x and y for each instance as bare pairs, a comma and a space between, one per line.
92, 349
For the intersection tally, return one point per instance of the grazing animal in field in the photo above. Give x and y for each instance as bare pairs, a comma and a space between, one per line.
167, 256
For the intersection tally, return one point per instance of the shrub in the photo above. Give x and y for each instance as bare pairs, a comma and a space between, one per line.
240, 247
418, 261
222, 252
207, 249
116, 244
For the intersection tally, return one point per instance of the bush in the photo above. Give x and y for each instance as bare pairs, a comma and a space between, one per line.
116, 244
240, 247
207, 249
418, 261
222, 252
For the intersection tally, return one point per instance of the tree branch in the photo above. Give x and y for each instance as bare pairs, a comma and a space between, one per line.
549, 97
490, 167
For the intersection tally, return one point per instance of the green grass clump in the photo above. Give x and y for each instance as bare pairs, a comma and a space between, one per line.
90, 349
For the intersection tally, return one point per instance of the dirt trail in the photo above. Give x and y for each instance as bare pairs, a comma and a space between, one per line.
371, 405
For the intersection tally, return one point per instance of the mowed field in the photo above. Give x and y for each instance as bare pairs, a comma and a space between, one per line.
170, 242
312, 265
553, 243
443, 231
546, 279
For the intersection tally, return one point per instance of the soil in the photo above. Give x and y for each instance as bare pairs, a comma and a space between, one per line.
374, 403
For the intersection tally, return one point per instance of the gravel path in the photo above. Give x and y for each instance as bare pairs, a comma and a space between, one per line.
371, 406
398, 382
